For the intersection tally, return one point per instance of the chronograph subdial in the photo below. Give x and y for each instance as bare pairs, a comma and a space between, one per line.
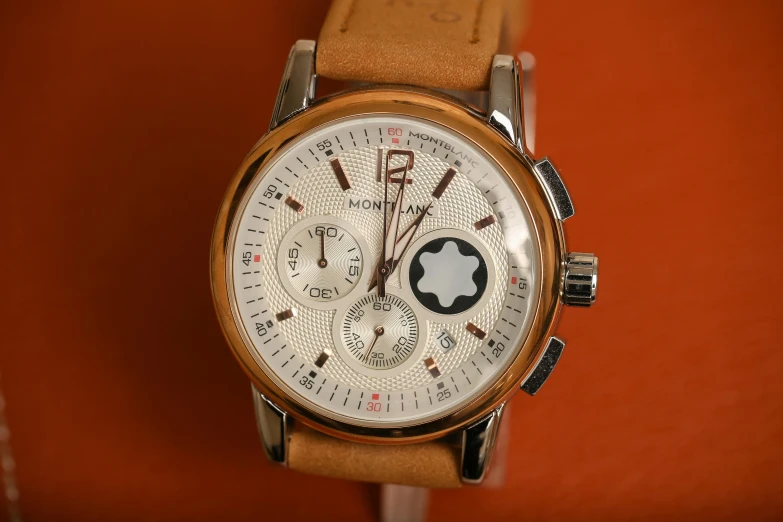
320, 261
379, 332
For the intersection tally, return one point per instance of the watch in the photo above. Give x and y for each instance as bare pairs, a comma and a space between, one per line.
389, 263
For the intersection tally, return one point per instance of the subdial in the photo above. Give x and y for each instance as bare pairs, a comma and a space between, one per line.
380, 332
322, 262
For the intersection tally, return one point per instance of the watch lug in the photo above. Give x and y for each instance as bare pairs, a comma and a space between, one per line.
546, 363
504, 110
272, 425
478, 445
297, 87
528, 63
550, 177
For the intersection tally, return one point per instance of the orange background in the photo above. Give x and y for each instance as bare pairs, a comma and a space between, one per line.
122, 123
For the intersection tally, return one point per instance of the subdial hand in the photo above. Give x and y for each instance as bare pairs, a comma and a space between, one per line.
322, 262
378, 332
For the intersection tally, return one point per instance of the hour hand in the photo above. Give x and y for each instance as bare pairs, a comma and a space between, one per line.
401, 245
387, 253
391, 235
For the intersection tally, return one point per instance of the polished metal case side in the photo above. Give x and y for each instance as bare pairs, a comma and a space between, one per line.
528, 64
546, 363
272, 424
297, 87
478, 445
504, 110
296, 93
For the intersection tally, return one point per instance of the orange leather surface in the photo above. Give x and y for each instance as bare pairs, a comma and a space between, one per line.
434, 464
122, 123
448, 44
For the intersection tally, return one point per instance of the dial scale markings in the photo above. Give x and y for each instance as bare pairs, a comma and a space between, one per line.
408, 397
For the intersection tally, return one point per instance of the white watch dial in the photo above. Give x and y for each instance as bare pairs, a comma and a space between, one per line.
320, 223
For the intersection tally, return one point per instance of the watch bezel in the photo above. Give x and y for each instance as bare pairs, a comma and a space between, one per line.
471, 125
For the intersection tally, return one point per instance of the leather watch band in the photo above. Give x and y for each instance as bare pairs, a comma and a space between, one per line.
433, 464
447, 44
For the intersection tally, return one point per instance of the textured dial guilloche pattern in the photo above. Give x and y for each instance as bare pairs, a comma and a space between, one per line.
464, 205
300, 256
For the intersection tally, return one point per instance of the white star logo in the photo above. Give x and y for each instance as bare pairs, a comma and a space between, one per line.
448, 274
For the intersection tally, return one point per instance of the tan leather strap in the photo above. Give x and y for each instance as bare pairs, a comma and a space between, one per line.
444, 44
427, 464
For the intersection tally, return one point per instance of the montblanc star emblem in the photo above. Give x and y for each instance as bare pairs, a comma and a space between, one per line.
448, 275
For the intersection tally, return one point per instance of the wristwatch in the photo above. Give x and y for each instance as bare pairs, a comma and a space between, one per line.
389, 263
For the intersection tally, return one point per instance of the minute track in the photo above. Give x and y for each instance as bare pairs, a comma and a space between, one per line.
412, 400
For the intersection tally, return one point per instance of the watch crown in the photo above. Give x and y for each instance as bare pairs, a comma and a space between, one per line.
581, 279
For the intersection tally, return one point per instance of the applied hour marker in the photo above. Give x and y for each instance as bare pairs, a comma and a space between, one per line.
475, 330
342, 179
484, 222
286, 314
432, 366
294, 204
322, 358
444, 182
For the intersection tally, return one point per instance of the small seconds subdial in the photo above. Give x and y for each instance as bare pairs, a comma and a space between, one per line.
322, 262
380, 332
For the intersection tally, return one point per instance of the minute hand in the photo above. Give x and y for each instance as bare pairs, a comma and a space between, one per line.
402, 244
394, 223
389, 240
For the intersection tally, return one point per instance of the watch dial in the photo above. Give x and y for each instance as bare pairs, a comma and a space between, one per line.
383, 270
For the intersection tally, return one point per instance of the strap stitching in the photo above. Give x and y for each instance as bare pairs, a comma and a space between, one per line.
344, 24
475, 38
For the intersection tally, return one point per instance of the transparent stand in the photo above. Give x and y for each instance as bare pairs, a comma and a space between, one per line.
403, 503
408, 503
